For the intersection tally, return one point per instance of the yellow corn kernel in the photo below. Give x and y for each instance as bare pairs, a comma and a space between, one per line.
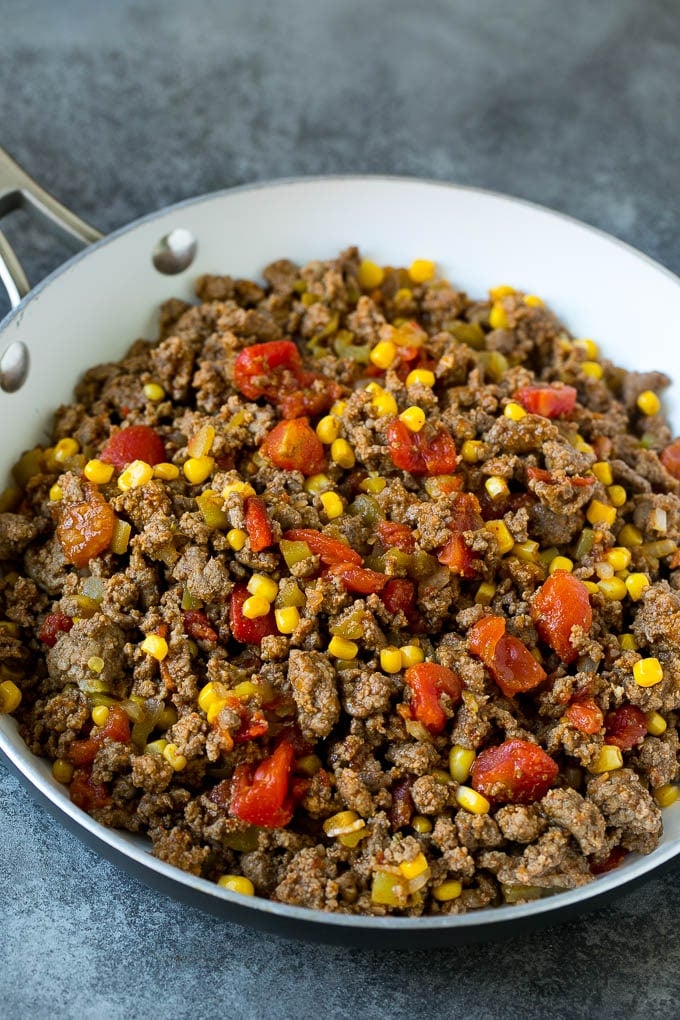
237, 883
580, 444
613, 588
156, 746
600, 513
265, 587
618, 557
561, 563
421, 270
341, 648
485, 593
247, 689
342, 454
413, 418
173, 758
210, 693
648, 402
666, 795
617, 494
447, 891
420, 377
156, 646
121, 537
135, 475
201, 443
591, 349
56, 493
373, 484
628, 642
332, 504
371, 275
345, 823
472, 801
62, 771
504, 539
384, 405
98, 471
236, 539
339, 408
593, 369
100, 714
215, 708
154, 392
496, 486
498, 318
647, 672
166, 472
460, 762
287, 619
630, 536
390, 660
65, 449
656, 724
534, 301
389, 890
421, 824
608, 759
197, 469
472, 451
603, 472
244, 489
526, 551
501, 291
636, 585
411, 869
514, 411
10, 697
591, 587
328, 429
411, 655
383, 354
255, 606
317, 484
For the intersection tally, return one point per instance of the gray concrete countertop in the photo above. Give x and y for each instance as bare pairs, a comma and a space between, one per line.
122, 108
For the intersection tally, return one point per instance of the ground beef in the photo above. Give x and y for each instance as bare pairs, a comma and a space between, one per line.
626, 804
312, 679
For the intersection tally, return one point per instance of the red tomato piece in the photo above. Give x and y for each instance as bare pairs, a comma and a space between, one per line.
399, 595
458, 557
625, 727
431, 451
330, 551
549, 401
610, 862
294, 446
359, 579
515, 772
670, 458
560, 604
53, 624
253, 725
265, 370
116, 727
315, 396
262, 797
86, 794
248, 632
257, 524
137, 442
396, 536
83, 752
585, 715
85, 529
197, 626
427, 682
541, 475
508, 659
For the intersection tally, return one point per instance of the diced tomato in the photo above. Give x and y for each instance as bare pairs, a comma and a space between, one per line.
83, 752
53, 624
585, 715
329, 550
456, 554
615, 857
399, 595
515, 772
397, 536
535, 474
253, 725
315, 396
85, 529
559, 605
625, 727
249, 632
262, 796
294, 446
197, 626
359, 579
508, 659
137, 442
431, 451
257, 524
116, 727
549, 401
265, 370
670, 458
427, 682
86, 794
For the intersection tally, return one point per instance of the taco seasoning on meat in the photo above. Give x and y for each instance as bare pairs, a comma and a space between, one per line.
355, 593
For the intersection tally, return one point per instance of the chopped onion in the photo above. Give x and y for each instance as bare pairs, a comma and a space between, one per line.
658, 520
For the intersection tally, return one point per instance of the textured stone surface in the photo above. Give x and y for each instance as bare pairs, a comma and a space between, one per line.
122, 108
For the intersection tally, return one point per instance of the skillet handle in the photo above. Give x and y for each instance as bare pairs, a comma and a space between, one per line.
19, 190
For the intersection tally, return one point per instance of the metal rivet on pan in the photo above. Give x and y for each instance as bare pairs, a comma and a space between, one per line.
14, 365
175, 252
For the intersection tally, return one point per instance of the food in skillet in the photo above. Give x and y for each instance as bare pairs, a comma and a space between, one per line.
355, 593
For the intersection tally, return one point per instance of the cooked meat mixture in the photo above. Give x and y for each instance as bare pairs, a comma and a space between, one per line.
355, 593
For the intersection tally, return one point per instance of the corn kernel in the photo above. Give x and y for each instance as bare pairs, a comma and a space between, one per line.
10, 696
265, 587
472, 451
98, 472
342, 454
371, 275
472, 801
560, 563
166, 472
460, 762
343, 823
648, 402
236, 539
65, 449
613, 588
255, 607
100, 714
173, 758
485, 593
412, 869
373, 484
156, 646
332, 504
215, 708
384, 405
247, 689
501, 291
237, 883
56, 493
534, 301
504, 539
197, 469
287, 619
496, 486
608, 759
328, 429
156, 746
591, 587
498, 318
581, 445
666, 795
154, 392
627, 642
420, 377
390, 660
600, 513
411, 655
630, 536
647, 672
591, 349
317, 484
636, 585
421, 270
447, 891
617, 495
421, 824
62, 771
383, 354
210, 693
341, 648
618, 557
603, 472
593, 369
514, 411
339, 408
244, 489
526, 551
413, 418
135, 475
656, 724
